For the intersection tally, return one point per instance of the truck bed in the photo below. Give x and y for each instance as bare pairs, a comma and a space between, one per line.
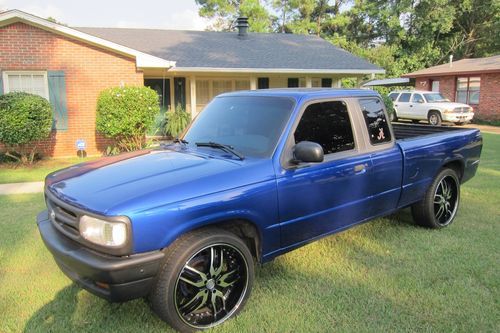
407, 131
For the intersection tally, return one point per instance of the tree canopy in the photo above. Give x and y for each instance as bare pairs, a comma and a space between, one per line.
398, 35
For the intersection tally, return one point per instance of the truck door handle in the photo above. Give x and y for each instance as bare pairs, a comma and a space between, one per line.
360, 168
411, 105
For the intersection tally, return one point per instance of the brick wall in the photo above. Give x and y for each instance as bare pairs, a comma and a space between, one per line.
489, 100
88, 70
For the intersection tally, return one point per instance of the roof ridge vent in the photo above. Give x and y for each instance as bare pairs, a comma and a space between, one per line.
242, 25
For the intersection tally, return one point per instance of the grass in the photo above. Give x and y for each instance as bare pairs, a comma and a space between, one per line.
13, 173
384, 276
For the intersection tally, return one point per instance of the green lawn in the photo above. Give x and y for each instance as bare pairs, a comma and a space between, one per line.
11, 173
384, 276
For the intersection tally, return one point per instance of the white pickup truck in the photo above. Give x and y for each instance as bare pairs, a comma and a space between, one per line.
431, 106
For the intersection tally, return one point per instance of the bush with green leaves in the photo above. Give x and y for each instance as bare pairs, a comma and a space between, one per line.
125, 114
177, 121
24, 119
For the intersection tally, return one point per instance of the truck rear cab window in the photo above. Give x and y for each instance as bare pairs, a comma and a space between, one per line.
327, 124
378, 128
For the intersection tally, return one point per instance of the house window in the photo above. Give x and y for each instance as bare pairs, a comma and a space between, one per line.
30, 82
263, 83
221, 86
468, 90
242, 85
202, 92
293, 82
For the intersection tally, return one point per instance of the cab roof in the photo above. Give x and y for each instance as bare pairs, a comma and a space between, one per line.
304, 93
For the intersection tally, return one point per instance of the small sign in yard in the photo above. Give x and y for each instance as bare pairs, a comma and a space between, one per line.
81, 145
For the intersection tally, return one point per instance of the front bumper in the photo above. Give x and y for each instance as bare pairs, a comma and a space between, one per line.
116, 279
458, 117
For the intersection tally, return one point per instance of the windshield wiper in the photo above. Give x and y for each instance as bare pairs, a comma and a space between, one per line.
226, 148
181, 141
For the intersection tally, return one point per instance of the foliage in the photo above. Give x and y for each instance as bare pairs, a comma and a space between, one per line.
224, 13
125, 114
398, 35
24, 119
177, 121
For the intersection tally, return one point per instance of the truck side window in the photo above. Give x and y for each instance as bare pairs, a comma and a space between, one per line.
378, 128
327, 124
404, 97
417, 98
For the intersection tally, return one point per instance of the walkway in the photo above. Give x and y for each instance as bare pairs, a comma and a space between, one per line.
20, 188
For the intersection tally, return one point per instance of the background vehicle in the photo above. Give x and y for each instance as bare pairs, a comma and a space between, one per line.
256, 175
431, 106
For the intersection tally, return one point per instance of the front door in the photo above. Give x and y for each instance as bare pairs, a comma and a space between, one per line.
417, 107
320, 198
402, 105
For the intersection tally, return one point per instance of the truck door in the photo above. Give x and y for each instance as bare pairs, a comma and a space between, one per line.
319, 198
386, 174
402, 105
417, 107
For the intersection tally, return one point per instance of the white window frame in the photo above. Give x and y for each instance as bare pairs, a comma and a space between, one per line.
5, 77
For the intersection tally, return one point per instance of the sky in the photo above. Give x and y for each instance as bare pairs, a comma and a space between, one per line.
161, 14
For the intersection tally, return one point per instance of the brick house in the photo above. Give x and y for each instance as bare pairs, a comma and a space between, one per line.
472, 81
71, 66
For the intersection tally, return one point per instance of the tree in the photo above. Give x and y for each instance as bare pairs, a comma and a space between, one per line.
224, 13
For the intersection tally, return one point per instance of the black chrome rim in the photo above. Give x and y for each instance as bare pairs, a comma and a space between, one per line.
211, 286
446, 200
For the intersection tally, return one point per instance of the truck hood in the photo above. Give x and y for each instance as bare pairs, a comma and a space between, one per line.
151, 178
448, 105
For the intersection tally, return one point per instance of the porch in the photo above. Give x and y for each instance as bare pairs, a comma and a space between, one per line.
193, 91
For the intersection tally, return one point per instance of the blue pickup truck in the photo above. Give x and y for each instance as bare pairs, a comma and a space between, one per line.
257, 174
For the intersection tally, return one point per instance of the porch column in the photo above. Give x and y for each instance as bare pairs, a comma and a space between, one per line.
308, 82
192, 86
253, 83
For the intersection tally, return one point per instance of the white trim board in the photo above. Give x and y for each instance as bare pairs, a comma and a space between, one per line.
276, 70
143, 60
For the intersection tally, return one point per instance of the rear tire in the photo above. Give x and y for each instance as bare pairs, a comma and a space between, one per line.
205, 280
393, 116
440, 204
434, 118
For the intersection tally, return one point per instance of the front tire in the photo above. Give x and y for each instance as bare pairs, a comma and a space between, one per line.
206, 279
440, 204
434, 118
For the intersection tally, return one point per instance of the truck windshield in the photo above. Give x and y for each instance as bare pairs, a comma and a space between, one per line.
250, 124
435, 97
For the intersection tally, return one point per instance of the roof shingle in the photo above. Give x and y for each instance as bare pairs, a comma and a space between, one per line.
208, 49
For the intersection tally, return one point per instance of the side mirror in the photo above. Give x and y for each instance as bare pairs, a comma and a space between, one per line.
307, 152
421, 101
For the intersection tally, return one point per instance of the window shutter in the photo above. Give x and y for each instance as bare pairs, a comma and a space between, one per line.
57, 96
1, 83
293, 82
326, 83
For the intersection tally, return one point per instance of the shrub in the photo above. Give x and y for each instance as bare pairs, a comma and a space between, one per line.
125, 114
177, 121
24, 119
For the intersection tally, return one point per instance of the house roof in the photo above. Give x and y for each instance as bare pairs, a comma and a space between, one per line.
225, 51
464, 66
143, 59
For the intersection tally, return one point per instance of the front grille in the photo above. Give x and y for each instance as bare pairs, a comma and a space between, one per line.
461, 109
63, 216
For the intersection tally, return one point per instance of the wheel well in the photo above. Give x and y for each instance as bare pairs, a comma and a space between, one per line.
457, 166
433, 110
245, 230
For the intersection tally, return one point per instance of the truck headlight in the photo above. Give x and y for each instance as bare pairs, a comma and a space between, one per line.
103, 232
